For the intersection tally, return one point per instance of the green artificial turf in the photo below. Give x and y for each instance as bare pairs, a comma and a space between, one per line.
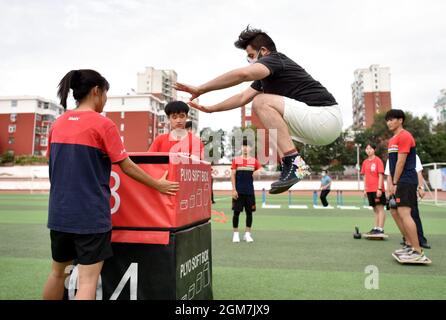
297, 254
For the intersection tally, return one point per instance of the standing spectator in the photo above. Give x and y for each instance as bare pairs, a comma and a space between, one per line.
404, 182
415, 211
325, 187
373, 171
243, 195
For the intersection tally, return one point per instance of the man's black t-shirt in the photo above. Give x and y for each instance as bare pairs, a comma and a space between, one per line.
290, 80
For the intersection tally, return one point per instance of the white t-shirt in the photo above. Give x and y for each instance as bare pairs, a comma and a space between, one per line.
418, 166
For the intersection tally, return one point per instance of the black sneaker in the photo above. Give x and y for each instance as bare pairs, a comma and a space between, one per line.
379, 232
292, 172
403, 242
425, 245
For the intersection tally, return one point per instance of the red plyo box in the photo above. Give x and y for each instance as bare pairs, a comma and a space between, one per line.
135, 206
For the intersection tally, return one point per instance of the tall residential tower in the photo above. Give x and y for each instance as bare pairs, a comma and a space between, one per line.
370, 95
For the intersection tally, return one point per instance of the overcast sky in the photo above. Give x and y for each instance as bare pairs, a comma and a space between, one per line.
42, 40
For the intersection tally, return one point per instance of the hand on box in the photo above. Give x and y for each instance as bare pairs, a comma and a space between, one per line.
166, 186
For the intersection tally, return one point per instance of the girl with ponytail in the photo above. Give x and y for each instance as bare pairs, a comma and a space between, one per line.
82, 146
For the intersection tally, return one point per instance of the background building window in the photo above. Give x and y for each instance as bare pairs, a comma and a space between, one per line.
11, 128
13, 103
13, 117
44, 142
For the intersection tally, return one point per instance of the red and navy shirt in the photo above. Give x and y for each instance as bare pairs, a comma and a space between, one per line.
82, 145
403, 142
245, 167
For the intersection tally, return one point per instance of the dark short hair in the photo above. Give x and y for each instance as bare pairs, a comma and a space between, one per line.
176, 107
395, 114
256, 38
372, 145
188, 124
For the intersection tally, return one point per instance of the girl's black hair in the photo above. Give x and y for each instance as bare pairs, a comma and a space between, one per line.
256, 38
372, 145
81, 81
176, 107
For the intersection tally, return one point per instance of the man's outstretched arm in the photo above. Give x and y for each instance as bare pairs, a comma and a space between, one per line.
257, 71
233, 102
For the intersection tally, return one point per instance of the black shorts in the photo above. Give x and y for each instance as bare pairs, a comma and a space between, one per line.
247, 201
85, 248
406, 195
374, 201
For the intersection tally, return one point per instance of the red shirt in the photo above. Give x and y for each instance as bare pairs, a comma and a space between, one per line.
403, 143
190, 144
244, 182
82, 145
371, 169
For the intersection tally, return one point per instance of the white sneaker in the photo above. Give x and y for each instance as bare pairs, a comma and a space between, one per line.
247, 237
236, 237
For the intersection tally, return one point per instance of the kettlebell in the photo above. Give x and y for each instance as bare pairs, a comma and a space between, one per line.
357, 235
392, 203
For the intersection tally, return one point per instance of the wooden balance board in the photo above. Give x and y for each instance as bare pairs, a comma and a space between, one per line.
375, 236
427, 261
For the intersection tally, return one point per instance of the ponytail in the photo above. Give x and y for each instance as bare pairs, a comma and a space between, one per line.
81, 81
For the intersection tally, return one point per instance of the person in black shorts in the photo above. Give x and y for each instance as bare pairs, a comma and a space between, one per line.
373, 171
404, 183
243, 196
415, 210
82, 147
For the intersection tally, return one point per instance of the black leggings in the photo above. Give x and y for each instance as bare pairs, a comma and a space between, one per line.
324, 194
236, 216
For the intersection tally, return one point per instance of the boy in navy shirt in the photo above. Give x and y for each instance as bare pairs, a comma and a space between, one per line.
402, 161
243, 190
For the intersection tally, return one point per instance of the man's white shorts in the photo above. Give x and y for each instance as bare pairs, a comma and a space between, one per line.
312, 125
